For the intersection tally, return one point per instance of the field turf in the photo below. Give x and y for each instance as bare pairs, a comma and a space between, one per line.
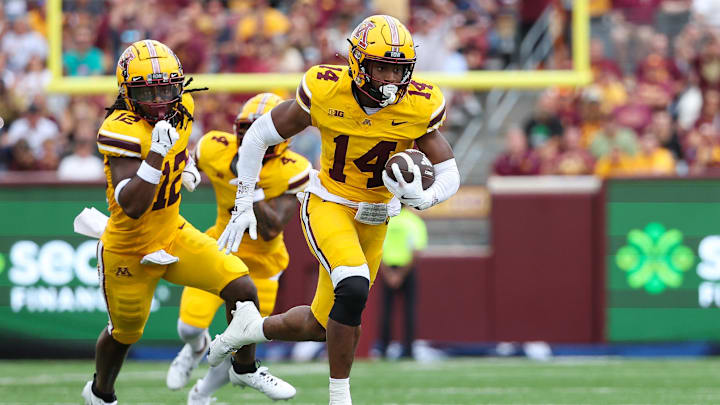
466, 381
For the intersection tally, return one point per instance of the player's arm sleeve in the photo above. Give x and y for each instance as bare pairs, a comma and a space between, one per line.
303, 95
437, 117
198, 153
111, 142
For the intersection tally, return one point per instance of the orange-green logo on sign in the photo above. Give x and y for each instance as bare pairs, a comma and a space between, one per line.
655, 258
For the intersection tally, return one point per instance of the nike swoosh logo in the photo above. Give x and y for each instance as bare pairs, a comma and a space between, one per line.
393, 123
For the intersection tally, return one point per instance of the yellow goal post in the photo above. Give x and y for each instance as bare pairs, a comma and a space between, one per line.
254, 82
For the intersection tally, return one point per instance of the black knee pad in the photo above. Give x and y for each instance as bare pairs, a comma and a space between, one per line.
350, 297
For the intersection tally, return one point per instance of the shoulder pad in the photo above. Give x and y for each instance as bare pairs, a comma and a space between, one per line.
429, 101
317, 81
210, 145
121, 135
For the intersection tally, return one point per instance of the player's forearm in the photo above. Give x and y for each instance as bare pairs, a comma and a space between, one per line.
136, 195
269, 223
273, 215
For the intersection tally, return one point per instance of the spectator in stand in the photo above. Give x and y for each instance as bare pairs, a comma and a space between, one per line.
31, 84
21, 157
652, 159
22, 44
544, 124
707, 65
659, 70
600, 64
592, 117
50, 156
614, 164
82, 164
662, 126
710, 111
702, 148
518, 160
84, 59
262, 21
34, 128
190, 44
10, 105
573, 159
614, 137
636, 113
7, 77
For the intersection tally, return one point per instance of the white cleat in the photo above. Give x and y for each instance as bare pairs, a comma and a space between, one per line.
184, 363
238, 333
196, 398
91, 399
261, 380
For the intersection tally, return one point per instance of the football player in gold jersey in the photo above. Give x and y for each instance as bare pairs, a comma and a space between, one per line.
143, 140
365, 112
283, 174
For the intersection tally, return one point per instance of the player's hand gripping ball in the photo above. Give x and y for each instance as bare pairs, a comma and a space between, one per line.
405, 160
408, 175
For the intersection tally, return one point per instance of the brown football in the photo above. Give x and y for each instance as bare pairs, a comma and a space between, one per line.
414, 156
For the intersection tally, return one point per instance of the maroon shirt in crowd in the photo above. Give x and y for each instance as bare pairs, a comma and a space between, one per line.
508, 164
637, 11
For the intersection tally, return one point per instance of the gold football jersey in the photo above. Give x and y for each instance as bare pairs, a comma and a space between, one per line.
125, 134
285, 174
356, 145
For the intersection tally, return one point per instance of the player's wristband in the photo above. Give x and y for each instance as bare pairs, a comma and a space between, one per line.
149, 173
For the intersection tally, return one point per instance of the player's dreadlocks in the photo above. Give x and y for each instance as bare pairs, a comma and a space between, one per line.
180, 119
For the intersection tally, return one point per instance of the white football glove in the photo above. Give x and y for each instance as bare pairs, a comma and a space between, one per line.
242, 219
164, 137
412, 193
190, 176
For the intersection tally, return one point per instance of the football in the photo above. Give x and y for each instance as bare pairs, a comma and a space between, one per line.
412, 156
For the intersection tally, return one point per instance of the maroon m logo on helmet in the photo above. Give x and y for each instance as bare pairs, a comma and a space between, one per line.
362, 33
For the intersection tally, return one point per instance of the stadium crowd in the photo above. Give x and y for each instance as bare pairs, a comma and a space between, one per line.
44, 132
651, 109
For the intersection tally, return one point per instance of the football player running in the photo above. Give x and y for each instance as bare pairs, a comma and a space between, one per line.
365, 112
143, 140
283, 174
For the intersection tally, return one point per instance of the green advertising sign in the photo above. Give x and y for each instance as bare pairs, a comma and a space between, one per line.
663, 259
48, 276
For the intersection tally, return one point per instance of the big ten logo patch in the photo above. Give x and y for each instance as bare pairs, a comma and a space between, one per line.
336, 113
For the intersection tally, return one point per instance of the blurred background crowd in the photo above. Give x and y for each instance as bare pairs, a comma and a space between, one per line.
653, 107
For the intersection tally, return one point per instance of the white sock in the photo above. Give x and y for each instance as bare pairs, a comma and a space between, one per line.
191, 335
340, 391
215, 378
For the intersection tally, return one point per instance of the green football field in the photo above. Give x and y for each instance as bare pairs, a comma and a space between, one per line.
467, 381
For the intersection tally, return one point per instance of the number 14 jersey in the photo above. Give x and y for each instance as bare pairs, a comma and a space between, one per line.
356, 145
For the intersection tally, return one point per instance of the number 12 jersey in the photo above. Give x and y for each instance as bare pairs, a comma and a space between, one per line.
356, 145
124, 134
